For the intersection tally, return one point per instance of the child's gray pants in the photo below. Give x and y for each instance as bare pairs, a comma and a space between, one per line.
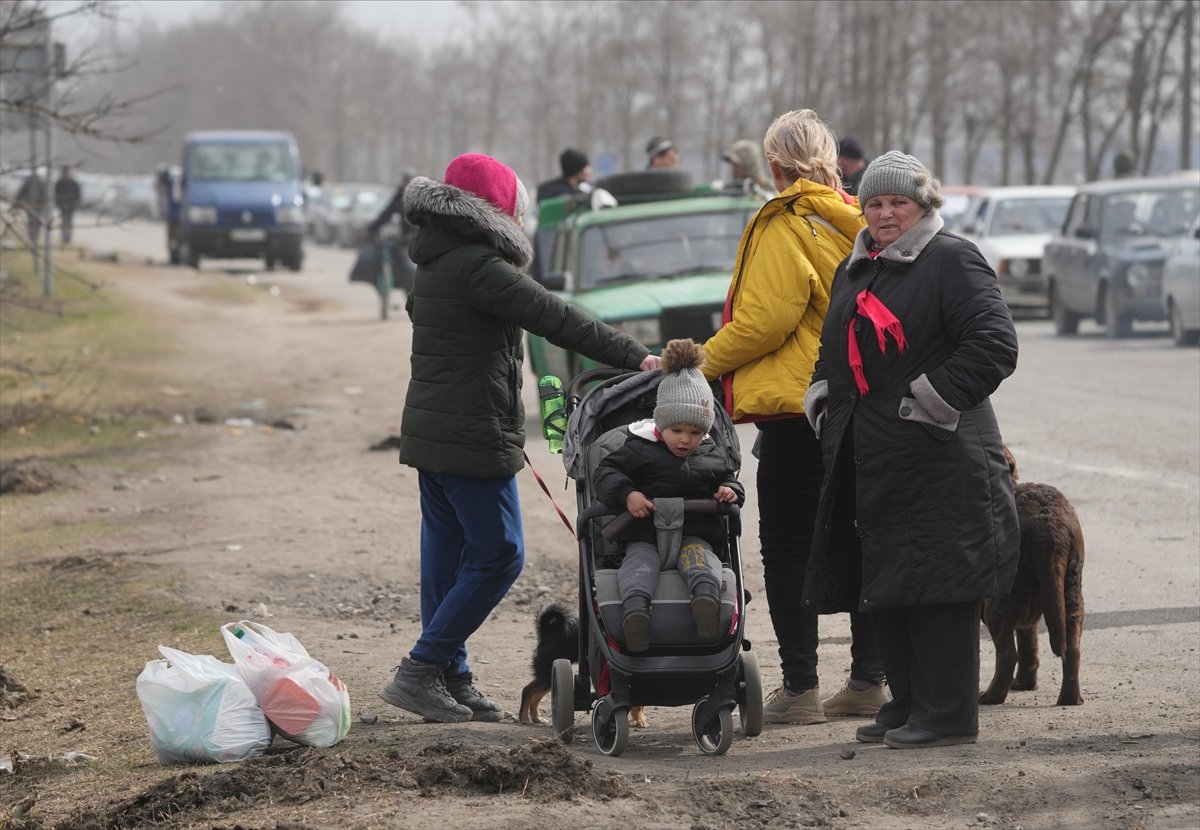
639, 570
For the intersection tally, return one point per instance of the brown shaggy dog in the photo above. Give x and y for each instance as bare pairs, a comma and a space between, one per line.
1050, 579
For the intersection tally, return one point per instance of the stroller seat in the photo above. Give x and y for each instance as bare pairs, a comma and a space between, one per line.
671, 609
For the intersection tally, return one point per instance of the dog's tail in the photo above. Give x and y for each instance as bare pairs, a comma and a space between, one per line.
554, 619
1046, 537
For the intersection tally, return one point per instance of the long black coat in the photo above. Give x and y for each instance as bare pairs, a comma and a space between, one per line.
463, 413
934, 500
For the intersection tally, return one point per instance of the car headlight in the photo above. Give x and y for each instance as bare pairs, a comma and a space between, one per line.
1138, 276
202, 215
1018, 267
645, 330
289, 215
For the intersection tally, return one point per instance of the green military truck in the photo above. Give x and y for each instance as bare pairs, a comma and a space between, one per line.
647, 253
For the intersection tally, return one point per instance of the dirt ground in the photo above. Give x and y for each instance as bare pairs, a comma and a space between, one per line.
257, 496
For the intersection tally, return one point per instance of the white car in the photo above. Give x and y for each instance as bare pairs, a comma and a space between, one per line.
1011, 226
1181, 288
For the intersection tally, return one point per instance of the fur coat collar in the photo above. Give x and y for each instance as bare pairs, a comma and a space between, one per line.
427, 202
905, 249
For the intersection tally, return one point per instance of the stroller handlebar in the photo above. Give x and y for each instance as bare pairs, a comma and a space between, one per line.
614, 529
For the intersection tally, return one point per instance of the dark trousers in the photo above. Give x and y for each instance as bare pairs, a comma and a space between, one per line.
790, 470
66, 223
931, 654
472, 551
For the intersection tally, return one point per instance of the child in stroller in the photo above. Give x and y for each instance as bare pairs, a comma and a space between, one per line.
670, 456
680, 665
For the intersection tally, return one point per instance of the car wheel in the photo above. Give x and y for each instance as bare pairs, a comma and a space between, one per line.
188, 256
1179, 334
293, 263
1066, 322
1116, 324
270, 263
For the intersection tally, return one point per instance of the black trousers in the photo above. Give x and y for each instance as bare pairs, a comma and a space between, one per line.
790, 470
931, 655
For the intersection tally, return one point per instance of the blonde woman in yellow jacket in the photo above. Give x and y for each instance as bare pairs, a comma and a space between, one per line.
764, 355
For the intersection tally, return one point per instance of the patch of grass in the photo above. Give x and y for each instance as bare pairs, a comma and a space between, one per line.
75, 367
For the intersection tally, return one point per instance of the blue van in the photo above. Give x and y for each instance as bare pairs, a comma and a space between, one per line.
239, 195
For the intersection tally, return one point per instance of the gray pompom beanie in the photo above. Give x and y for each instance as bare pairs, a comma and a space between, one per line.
901, 174
684, 396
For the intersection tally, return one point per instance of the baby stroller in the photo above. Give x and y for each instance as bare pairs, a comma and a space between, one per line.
679, 668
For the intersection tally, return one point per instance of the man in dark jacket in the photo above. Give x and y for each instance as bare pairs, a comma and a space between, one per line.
463, 426
851, 162
576, 173
66, 199
402, 265
31, 198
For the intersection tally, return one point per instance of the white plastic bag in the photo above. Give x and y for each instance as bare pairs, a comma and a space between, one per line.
302, 699
200, 709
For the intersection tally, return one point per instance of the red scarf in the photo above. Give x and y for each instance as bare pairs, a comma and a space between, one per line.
885, 323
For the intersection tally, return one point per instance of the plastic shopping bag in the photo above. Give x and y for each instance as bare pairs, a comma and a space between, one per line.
200, 709
302, 699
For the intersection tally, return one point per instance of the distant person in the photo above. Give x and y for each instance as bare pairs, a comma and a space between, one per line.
661, 154
851, 162
746, 176
31, 198
66, 198
576, 176
403, 270
463, 427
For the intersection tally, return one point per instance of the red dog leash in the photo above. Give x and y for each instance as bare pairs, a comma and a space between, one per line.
546, 490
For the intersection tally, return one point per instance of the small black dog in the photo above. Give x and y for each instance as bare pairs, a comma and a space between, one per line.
557, 638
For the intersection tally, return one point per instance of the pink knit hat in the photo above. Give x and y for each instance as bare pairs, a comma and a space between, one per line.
488, 179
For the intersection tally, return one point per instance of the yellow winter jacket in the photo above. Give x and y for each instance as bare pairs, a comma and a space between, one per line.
778, 298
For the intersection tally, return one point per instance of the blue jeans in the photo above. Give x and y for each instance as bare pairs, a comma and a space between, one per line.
472, 551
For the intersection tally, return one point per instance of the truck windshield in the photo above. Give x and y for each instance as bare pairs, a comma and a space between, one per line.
240, 162
662, 246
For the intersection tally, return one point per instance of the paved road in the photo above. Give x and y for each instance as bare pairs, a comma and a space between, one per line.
1114, 424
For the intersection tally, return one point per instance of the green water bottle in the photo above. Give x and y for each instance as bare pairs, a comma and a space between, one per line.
554, 415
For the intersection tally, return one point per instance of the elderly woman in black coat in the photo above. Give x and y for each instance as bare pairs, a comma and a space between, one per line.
916, 520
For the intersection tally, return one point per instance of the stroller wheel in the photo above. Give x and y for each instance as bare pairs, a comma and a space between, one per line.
714, 737
749, 695
610, 728
562, 700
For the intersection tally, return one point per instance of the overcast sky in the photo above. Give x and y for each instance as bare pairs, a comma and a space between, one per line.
428, 20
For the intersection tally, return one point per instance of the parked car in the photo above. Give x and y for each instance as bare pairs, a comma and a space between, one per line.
1107, 263
1011, 226
327, 211
368, 202
655, 265
957, 199
1181, 287
130, 197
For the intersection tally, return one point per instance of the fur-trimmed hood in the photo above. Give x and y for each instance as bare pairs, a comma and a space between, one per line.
427, 202
905, 249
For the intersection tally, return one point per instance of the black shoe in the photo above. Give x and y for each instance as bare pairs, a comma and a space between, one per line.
872, 733
419, 687
462, 689
914, 737
635, 626
706, 610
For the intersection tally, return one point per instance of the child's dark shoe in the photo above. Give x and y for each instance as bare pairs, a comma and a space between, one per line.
635, 627
706, 611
